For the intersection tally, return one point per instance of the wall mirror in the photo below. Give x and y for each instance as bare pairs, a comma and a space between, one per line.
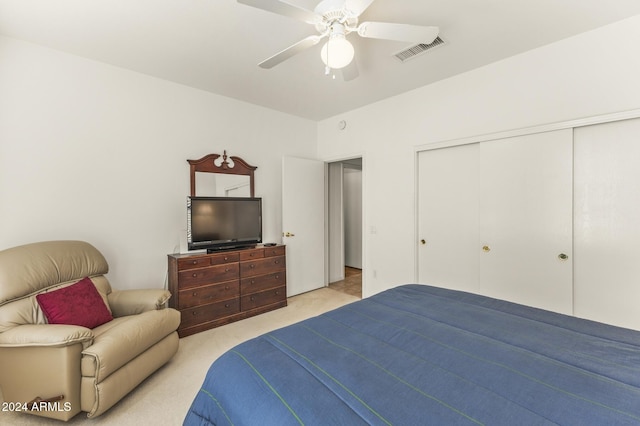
221, 176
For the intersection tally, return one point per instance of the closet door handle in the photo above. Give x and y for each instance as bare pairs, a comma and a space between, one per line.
486, 249
563, 256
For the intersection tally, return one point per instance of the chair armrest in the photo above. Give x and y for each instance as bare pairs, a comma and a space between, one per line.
132, 302
52, 335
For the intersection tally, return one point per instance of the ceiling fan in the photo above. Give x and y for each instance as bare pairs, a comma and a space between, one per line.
335, 19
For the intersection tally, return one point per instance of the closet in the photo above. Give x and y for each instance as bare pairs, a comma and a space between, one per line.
607, 223
496, 219
547, 219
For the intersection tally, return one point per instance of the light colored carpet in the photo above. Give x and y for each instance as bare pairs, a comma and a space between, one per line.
165, 397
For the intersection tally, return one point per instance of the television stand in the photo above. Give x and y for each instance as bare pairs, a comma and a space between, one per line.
217, 288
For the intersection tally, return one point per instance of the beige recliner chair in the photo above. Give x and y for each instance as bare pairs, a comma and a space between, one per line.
58, 370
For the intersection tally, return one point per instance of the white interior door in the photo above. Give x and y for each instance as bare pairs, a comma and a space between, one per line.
353, 217
335, 211
303, 223
526, 216
607, 211
448, 217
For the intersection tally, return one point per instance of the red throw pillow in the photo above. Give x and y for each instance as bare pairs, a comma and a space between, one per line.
77, 304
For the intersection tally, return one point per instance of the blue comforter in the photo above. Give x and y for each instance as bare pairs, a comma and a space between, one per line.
418, 355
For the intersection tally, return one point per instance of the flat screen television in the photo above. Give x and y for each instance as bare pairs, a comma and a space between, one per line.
219, 223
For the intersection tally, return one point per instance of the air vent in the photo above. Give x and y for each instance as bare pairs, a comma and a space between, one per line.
418, 49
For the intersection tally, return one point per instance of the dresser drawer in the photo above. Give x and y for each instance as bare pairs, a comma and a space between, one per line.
263, 298
202, 261
210, 312
208, 293
251, 254
193, 262
262, 282
274, 251
218, 273
262, 266
221, 258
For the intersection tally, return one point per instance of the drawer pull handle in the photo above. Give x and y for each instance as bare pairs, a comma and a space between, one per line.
195, 293
252, 298
226, 287
226, 258
277, 277
276, 262
195, 262
277, 292
226, 305
226, 269
253, 281
195, 313
252, 266
194, 275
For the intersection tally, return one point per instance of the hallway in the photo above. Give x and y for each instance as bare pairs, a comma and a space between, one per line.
352, 283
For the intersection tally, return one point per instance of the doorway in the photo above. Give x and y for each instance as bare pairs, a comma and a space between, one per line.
344, 225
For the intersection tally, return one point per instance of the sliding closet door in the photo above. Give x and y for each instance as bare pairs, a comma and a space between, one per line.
526, 220
607, 223
448, 217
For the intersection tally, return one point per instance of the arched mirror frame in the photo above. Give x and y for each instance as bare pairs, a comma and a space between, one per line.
207, 164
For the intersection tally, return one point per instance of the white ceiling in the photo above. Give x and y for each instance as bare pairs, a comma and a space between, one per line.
215, 45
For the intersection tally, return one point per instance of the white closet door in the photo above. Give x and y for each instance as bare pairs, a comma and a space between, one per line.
353, 217
448, 217
526, 220
335, 211
607, 223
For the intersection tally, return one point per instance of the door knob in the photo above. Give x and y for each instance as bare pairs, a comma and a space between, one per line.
288, 234
423, 241
563, 256
486, 249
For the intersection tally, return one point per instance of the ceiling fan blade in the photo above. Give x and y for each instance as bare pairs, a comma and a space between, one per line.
305, 4
399, 32
350, 72
282, 8
290, 51
358, 6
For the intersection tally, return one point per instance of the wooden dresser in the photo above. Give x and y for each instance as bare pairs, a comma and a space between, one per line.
214, 289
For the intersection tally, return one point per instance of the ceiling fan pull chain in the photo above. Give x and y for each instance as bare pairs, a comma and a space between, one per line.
327, 68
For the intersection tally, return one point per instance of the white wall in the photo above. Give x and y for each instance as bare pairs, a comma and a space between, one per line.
591, 74
90, 151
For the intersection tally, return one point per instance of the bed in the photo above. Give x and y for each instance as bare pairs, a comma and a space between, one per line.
417, 355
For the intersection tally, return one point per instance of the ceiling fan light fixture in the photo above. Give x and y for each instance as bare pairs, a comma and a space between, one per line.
337, 53
335, 19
